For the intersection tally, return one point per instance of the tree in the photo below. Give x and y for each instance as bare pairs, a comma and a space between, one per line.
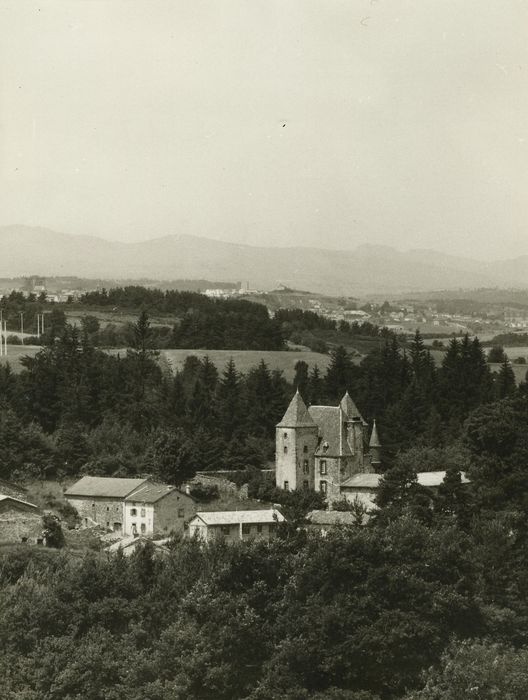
52, 532
339, 374
496, 354
505, 383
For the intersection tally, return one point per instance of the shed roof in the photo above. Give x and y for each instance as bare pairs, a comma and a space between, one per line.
104, 487
236, 517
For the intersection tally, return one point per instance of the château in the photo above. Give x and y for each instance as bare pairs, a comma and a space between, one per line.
323, 447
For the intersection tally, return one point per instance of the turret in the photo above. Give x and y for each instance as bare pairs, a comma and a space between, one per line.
355, 425
375, 447
295, 445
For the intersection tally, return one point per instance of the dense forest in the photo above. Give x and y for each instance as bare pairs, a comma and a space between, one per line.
427, 601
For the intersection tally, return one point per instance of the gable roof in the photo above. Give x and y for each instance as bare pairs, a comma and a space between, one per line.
104, 487
236, 517
151, 492
17, 501
329, 420
297, 415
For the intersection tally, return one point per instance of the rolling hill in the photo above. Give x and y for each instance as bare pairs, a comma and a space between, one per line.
367, 268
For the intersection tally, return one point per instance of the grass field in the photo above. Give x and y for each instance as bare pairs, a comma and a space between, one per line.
16, 352
246, 359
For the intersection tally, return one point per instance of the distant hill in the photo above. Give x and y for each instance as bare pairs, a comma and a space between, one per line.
27, 250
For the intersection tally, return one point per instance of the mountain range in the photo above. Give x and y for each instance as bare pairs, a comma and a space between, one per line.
28, 250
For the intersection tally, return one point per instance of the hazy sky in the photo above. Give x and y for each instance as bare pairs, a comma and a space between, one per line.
328, 123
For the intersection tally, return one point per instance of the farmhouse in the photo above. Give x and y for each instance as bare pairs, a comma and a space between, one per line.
235, 525
130, 506
20, 521
157, 508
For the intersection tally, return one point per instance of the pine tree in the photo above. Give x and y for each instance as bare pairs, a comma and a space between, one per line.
339, 374
229, 402
505, 383
301, 379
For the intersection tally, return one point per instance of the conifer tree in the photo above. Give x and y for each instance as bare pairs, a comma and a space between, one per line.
339, 374
505, 383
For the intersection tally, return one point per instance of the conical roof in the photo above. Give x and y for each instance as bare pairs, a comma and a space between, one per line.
296, 415
374, 439
350, 409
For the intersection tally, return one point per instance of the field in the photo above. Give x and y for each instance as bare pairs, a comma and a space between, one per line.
246, 359
16, 352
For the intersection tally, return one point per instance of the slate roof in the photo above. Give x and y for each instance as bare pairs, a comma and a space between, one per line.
297, 415
151, 492
350, 409
104, 487
235, 517
332, 433
362, 481
374, 439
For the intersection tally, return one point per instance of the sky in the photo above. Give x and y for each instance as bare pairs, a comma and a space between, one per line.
328, 123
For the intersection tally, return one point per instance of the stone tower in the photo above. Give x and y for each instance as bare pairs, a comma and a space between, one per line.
355, 429
375, 448
296, 443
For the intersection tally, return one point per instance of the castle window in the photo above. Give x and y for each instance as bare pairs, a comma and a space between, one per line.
323, 487
306, 467
285, 450
285, 436
305, 449
286, 485
322, 466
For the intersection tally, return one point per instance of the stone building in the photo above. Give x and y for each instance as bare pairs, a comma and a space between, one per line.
235, 525
99, 500
130, 506
20, 521
157, 509
321, 447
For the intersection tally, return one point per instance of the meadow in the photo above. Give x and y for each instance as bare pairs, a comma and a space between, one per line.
246, 359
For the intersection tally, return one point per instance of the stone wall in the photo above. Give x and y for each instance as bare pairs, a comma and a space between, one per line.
107, 512
18, 521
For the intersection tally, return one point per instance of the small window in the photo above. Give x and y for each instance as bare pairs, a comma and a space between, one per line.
133, 511
322, 486
142, 512
143, 528
259, 528
285, 435
305, 449
24, 539
285, 449
40, 540
246, 529
306, 467
107, 507
322, 466
286, 485
181, 512
107, 523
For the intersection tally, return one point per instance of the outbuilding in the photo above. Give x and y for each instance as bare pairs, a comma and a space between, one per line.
236, 525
